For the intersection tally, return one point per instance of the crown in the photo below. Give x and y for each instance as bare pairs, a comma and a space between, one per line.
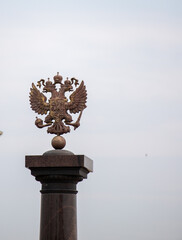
58, 78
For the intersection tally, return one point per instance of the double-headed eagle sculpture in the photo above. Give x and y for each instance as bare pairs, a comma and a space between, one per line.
58, 107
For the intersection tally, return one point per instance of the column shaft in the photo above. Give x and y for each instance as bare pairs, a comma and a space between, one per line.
58, 216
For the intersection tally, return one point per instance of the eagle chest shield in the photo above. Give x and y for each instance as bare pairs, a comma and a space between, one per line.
57, 107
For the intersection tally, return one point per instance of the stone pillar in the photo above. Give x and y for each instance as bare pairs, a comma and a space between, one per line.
59, 175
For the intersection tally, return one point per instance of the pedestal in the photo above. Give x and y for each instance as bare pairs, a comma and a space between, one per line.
59, 176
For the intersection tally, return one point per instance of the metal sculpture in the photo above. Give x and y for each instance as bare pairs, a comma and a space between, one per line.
58, 119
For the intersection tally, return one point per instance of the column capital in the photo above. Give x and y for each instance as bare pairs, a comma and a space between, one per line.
59, 173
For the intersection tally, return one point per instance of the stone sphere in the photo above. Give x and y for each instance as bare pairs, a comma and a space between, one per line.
58, 142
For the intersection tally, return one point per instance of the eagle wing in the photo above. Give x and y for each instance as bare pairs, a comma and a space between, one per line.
78, 99
38, 101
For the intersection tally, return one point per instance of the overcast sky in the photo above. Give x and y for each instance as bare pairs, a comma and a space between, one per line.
129, 53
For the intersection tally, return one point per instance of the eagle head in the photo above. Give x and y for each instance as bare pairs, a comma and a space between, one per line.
49, 86
68, 86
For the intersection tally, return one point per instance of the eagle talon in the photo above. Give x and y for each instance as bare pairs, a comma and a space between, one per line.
39, 123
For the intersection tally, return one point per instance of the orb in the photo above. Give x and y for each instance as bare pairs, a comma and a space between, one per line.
58, 142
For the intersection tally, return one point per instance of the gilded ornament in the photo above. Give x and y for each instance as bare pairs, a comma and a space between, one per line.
58, 108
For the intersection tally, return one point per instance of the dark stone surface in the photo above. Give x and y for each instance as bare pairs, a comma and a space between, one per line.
57, 152
41, 161
59, 175
58, 217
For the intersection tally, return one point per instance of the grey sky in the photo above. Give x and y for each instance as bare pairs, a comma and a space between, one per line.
129, 55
